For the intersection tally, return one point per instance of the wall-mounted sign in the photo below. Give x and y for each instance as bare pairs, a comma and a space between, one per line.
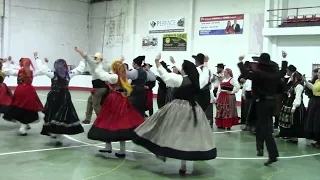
221, 25
167, 26
174, 42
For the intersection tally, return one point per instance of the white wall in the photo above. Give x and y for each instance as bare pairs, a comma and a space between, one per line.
51, 27
111, 29
308, 3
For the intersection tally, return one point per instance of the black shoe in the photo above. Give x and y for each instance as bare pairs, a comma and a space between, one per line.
270, 161
182, 172
220, 127
104, 151
228, 129
120, 155
260, 153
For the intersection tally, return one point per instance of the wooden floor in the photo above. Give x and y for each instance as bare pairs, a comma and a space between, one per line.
34, 158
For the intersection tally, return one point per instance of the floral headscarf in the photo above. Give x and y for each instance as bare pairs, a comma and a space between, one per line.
61, 68
229, 71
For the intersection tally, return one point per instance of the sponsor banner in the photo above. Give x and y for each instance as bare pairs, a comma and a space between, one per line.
167, 26
174, 42
221, 25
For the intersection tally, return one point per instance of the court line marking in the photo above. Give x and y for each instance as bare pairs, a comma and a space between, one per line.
222, 158
48, 149
111, 170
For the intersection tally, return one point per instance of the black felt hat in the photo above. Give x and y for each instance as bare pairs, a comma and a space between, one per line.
264, 58
199, 57
145, 64
220, 65
139, 60
292, 68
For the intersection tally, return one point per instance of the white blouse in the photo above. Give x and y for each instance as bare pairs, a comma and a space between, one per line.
233, 82
204, 75
45, 70
10, 69
297, 100
170, 79
105, 76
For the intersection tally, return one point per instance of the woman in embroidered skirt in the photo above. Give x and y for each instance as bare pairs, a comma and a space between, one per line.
117, 118
179, 129
293, 111
312, 122
5, 92
227, 115
60, 115
25, 101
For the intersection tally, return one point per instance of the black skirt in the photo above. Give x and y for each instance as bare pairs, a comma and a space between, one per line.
295, 126
312, 121
22, 115
60, 114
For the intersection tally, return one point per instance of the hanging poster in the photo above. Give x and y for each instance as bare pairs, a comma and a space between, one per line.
221, 25
174, 42
149, 42
167, 26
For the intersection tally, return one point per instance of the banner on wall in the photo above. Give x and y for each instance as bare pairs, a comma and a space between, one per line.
174, 42
221, 25
150, 42
167, 26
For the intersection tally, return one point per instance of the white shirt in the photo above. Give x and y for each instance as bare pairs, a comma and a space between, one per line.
93, 65
246, 87
217, 80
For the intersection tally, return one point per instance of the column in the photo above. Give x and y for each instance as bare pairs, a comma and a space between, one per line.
191, 26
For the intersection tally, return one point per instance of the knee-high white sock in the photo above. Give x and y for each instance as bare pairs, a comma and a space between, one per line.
183, 165
108, 147
122, 147
23, 129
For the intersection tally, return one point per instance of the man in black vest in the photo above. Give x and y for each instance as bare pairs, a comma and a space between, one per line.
204, 96
265, 80
139, 77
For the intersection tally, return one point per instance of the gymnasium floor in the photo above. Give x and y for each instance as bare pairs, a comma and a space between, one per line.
33, 158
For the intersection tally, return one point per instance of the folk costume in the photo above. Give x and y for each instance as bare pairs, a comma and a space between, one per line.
150, 84
165, 94
227, 115
217, 78
100, 87
5, 93
117, 118
204, 95
312, 122
292, 123
139, 77
25, 101
179, 129
265, 79
60, 115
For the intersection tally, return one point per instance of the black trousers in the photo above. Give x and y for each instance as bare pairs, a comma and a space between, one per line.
203, 99
264, 127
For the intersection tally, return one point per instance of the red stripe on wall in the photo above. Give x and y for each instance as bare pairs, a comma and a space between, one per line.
73, 88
